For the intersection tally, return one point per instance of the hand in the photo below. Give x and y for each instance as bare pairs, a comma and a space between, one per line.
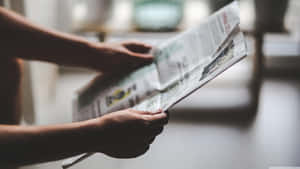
129, 133
120, 57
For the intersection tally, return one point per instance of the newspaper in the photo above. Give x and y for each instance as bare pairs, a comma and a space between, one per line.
182, 65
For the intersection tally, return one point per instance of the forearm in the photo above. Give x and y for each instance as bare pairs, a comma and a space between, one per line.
20, 145
20, 38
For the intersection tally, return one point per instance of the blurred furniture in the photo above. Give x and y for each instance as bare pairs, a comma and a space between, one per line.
269, 18
282, 55
270, 15
280, 48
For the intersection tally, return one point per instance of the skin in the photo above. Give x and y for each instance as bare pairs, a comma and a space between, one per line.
123, 134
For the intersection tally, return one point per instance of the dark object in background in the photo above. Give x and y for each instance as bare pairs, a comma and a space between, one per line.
217, 4
270, 15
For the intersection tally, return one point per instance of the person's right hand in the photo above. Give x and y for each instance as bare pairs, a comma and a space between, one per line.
128, 133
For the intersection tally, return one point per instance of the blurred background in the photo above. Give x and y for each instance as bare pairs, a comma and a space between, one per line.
249, 117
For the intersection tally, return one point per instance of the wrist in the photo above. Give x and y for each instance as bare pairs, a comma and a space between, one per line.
94, 133
74, 138
97, 56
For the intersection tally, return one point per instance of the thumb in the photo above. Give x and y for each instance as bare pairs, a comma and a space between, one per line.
139, 59
144, 56
137, 47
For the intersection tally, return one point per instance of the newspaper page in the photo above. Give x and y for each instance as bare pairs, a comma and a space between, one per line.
182, 65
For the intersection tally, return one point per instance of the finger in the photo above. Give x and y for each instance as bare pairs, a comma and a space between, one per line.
159, 111
157, 117
153, 119
157, 120
168, 114
142, 56
137, 47
145, 112
137, 59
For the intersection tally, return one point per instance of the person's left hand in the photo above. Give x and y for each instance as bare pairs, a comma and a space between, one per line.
120, 57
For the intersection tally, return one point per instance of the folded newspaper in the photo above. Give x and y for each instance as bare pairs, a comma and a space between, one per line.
182, 65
